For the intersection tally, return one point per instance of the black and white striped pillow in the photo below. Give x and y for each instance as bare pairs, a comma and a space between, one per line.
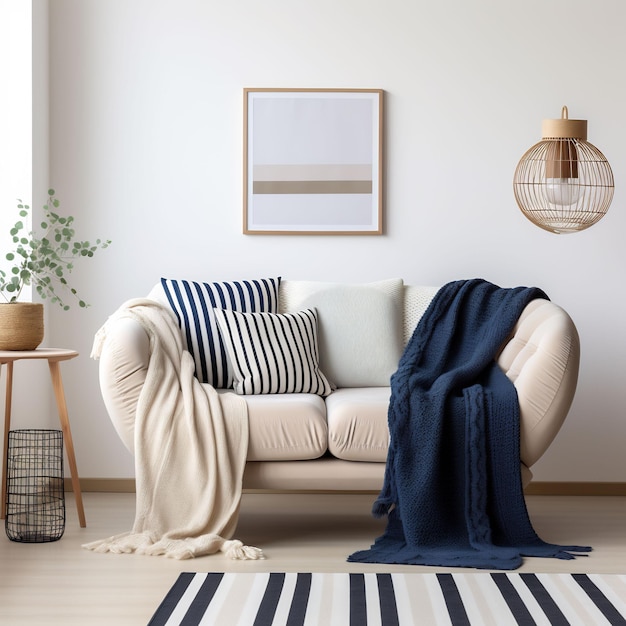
273, 352
193, 304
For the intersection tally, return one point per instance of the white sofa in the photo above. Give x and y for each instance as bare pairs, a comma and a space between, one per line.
305, 441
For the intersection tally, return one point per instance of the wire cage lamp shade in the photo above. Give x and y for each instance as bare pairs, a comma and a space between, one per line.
563, 184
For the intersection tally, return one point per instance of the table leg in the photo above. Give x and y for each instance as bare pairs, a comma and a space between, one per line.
7, 427
59, 393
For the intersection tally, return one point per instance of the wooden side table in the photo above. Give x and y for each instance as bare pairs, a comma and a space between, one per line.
54, 356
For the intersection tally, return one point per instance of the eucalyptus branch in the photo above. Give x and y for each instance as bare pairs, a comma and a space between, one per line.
44, 261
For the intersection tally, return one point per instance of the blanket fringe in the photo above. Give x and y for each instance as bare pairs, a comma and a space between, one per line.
565, 553
147, 544
235, 550
124, 543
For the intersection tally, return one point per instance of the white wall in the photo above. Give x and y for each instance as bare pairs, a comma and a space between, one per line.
23, 167
146, 149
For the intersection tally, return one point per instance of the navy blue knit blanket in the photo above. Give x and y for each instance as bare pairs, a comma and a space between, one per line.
452, 490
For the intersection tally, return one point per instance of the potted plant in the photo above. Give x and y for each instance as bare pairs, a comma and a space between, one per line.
43, 261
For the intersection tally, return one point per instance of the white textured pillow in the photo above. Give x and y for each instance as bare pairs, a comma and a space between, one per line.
272, 353
360, 327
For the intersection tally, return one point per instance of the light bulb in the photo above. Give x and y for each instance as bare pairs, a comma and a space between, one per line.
563, 191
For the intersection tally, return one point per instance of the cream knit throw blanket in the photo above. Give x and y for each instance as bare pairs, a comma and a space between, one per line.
190, 451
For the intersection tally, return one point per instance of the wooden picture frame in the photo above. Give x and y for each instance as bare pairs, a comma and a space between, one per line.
313, 161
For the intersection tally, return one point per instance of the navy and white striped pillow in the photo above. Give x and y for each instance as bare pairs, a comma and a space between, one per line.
273, 352
193, 304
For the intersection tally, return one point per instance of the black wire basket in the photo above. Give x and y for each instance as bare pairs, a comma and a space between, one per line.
35, 501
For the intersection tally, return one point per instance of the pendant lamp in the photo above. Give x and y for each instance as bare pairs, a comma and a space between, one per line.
563, 184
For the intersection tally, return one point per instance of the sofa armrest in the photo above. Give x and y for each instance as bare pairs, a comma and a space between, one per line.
123, 366
542, 359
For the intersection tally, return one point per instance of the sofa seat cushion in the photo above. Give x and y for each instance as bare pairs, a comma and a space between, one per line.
286, 427
357, 423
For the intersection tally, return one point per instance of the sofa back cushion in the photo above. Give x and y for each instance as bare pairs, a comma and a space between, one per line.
360, 327
416, 301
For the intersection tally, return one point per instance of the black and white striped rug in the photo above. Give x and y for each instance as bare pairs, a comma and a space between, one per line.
481, 599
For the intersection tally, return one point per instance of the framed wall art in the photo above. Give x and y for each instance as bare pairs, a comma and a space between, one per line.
313, 161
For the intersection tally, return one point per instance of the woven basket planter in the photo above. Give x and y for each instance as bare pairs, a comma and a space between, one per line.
21, 325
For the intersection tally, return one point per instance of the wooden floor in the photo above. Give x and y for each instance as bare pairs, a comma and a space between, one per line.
62, 584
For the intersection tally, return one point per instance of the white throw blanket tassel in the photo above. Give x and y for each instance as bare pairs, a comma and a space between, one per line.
192, 547
235, 550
